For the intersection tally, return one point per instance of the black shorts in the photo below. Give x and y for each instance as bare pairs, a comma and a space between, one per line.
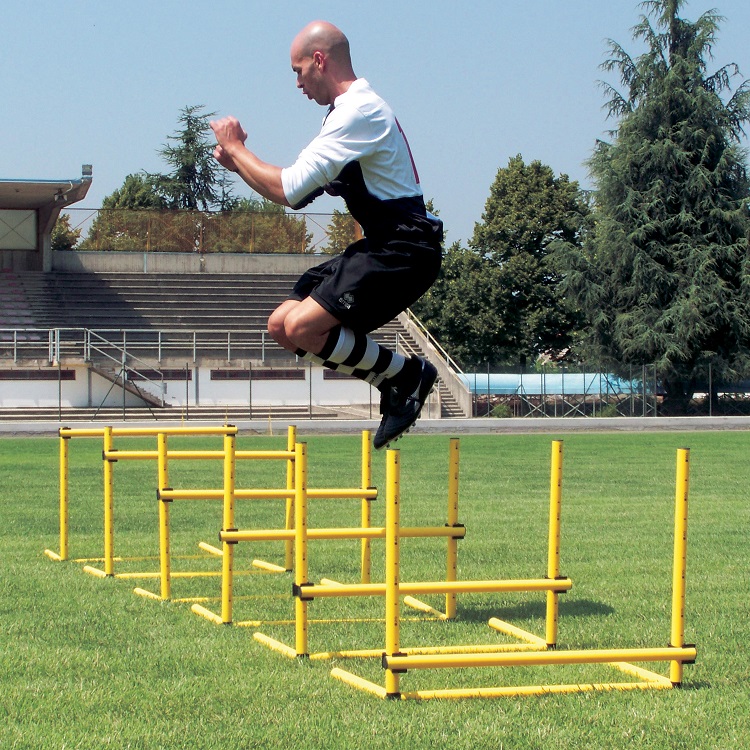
368, 285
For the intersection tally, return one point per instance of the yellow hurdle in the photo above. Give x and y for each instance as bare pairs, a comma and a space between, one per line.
553, 585
397, 661
109, 456
290, 533
112, 455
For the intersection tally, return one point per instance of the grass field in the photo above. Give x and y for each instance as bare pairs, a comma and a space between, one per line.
85, 663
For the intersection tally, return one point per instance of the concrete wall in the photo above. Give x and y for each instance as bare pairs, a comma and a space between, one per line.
88, 388
229, 263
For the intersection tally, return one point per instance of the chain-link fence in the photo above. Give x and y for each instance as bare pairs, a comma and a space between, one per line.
188, 231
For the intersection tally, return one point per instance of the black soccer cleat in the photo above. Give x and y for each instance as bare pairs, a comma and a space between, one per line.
401, 405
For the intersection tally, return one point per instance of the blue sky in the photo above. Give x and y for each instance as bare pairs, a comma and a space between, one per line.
473, 83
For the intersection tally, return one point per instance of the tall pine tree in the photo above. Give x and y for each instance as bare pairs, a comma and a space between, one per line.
195, 174
663, 278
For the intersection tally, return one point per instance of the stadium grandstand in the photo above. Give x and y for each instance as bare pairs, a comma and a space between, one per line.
92, 334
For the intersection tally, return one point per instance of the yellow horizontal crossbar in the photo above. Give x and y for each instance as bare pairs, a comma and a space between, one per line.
314, 591
269, 493
144, 431
529, 690
377, 653
373, 532
593, 656
196, 455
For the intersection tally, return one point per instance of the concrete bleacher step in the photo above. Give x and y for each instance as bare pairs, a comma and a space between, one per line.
204, 302
127, 300
209, 306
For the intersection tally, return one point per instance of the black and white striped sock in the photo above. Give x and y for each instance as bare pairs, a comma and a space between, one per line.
358, 355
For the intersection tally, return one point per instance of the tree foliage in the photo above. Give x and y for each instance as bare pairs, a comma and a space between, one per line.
64, 237
663, 277
139, 191
257, 226
461, 308
499, 301
193, 207
342, 232
193, 181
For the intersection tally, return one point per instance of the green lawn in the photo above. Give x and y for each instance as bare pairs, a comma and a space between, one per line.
85, 663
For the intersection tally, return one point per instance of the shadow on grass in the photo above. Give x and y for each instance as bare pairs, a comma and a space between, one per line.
530, 610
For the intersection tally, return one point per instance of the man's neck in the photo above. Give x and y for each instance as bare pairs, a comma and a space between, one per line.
341, 87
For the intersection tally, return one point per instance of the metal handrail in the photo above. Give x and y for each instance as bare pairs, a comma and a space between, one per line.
123, 361
447, 357
83, 342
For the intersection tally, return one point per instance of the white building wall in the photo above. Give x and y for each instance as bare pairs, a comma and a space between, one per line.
89, 389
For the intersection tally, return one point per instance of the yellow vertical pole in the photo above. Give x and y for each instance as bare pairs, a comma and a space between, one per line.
366, 512
291, 440
392, 597
553, 555
227, 548
677, 639
64, 497
300, 548
165, 560
451, 573
109, 487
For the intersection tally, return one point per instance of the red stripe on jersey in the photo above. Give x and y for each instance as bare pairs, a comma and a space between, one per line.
406, 141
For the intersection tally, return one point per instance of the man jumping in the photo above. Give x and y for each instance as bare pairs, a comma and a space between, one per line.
362, 155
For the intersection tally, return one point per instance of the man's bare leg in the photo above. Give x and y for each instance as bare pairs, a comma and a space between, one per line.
306, 328
302, 325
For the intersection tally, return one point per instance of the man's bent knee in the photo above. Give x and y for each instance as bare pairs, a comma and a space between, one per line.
308, 326
276, 324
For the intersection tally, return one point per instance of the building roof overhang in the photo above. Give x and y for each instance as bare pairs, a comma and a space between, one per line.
38, 194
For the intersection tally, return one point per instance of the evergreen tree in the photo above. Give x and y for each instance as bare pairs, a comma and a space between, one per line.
664, 277
138, 191
213, 219
193, 181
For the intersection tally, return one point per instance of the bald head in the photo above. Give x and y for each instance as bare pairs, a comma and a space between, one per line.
323, 37
321, 59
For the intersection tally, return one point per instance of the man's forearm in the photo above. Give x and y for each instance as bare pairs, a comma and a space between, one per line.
262, 177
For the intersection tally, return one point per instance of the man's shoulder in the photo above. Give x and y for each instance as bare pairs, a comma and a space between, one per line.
360, 95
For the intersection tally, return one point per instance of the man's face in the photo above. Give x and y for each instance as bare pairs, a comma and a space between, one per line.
309, 76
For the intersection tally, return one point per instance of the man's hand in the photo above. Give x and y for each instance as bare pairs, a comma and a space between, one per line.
231, 153
229, 134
